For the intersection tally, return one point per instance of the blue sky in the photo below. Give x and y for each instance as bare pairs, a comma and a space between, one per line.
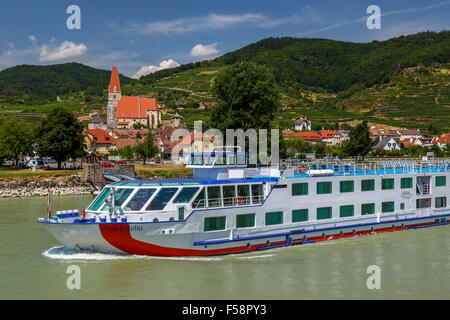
144, 36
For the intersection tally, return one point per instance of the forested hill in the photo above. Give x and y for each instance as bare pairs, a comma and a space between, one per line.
37, 84
334, 66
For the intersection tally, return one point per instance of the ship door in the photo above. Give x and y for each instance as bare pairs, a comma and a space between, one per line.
181, 213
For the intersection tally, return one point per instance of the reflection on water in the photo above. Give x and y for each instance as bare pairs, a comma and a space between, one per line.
414, 265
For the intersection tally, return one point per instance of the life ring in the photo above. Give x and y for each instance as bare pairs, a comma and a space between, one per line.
302, 168
239, 200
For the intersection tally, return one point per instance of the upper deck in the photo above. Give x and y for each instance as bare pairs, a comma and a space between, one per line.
234, 165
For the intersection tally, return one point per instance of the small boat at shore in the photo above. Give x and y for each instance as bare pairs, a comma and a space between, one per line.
231, 207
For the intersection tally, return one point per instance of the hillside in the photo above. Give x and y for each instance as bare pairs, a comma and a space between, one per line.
28, 84
333, 66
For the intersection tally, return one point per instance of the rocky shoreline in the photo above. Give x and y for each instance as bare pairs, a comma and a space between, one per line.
33, 187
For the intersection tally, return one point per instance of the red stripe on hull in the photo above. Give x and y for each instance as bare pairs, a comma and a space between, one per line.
119, 236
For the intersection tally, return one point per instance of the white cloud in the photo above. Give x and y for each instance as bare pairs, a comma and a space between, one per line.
166, 64
211, 21
65, 50
33, 40
201, 50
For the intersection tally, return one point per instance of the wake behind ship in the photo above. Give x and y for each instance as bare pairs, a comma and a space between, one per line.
230, 207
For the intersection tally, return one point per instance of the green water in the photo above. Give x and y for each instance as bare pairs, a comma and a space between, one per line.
414, 264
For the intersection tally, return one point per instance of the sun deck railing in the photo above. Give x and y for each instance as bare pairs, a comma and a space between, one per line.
343, 168
228, 202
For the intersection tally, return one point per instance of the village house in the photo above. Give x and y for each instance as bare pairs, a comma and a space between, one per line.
97, 123
99, 140
310, 137
303, 124
386, 143
195, 142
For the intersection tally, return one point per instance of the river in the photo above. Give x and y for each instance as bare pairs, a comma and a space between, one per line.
412, 264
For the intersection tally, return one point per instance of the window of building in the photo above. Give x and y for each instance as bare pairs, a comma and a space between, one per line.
186, 194
346, 211
441, 181
387, 207
441, 202
199, 201
387, 184
300, 189
214, 223
245, 220
367, 185
214, 199
299, 215
346, 186
423, 203
139, 199
243, 191
257, 193
161, 199
324, 213
274, 218
406, 183
324, 187
229, 195
367, 208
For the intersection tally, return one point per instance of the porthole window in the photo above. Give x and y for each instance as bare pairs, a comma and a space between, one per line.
155, 220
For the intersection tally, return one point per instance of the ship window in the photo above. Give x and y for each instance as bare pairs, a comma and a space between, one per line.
274, 218
98, 202
324, 213
257, 193
229, 195
346, 211
346, 186
300, 189
214, 199
423, 203
367, 208
139, 199
387, 184
245, 220
441, 181
162, 198
406, 183
243, 191
441, 202
199, 202
323, 187
387, 207
367, 185
299, 215
186, 194
214, 223
119, 198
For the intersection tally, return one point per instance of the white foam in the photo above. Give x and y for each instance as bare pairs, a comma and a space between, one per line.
62, 253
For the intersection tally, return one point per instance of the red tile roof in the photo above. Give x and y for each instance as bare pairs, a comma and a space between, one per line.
328, 133
101, 136
114, 82
135, 107
308, 135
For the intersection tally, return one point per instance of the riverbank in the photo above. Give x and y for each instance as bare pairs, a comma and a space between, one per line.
65, 184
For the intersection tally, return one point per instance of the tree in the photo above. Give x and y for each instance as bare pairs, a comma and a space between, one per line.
16, 139
359, 143
60, 136
247, 97
147, 149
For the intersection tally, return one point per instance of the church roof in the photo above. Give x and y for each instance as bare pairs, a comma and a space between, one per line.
114, 82
135, 107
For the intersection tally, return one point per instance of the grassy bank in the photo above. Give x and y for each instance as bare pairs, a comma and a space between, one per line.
166, 171
8, 173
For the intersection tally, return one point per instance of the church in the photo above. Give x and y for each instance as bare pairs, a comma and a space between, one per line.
124, 111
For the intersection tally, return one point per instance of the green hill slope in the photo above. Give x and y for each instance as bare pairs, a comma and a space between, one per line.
41, 84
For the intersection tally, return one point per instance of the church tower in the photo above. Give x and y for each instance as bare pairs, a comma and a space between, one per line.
114, 96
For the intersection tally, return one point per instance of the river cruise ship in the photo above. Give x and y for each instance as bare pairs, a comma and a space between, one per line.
229, 206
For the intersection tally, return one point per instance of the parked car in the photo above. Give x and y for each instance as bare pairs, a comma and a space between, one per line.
122, 162
38, 163
107, 164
